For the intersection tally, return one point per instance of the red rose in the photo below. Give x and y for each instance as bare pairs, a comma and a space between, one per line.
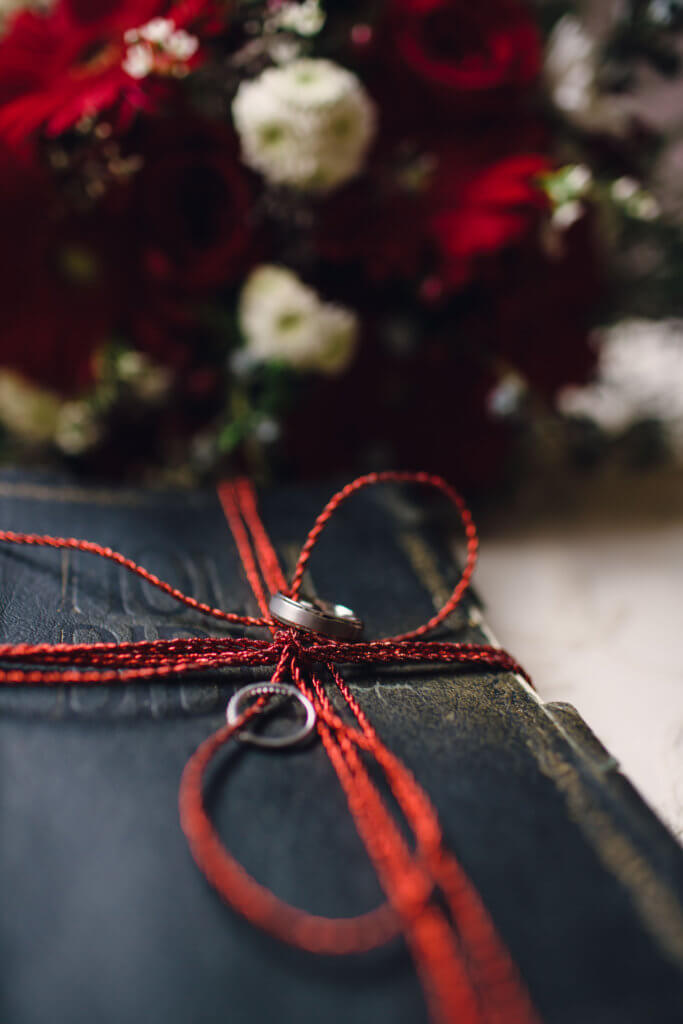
473, 219
449, 230
185, 218
544, 308
57, 67
189, 206
58, 286
143, 261
457, 46
428, 402
425, 408
377, 226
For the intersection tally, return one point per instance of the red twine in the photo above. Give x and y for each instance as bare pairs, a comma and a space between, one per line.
467, 974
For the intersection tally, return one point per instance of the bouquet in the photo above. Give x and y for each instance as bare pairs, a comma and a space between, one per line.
305, 235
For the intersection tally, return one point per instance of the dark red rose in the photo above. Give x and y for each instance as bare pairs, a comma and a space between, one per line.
58, 284
430, 405
376, 225
189, 206
186, 219
59, 66
457, 46
427, 408
544, 309
143, 261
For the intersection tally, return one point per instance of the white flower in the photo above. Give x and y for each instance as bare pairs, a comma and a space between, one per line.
267, 430
571, 71
158, 46
570, 65
139, 61
635, 200
567, 214
148, 380
284, 320
182, 45
307, 124
282, 49
647, 208
507, 396
76, 429
579, 179
306, 18
662, 11
639, 377
624, 189
26, 410
158, 30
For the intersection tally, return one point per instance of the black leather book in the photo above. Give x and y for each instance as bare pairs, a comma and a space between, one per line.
104, 917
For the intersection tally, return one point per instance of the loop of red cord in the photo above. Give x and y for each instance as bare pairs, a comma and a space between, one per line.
467, 974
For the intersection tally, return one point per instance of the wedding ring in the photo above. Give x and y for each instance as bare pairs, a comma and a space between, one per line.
238, 705
332, 620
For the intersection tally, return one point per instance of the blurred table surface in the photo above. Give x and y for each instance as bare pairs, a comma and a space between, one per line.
591, 602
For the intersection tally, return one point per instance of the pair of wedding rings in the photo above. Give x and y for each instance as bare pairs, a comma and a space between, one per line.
335, 621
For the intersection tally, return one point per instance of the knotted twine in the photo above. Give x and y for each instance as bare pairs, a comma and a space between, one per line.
467, 974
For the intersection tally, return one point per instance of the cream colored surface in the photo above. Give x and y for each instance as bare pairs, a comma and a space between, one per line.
595, 613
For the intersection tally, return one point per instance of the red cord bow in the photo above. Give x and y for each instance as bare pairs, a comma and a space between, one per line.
467, 974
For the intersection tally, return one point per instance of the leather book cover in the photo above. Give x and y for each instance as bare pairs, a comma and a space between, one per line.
104, 916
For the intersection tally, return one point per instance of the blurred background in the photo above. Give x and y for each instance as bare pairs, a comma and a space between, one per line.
302, 237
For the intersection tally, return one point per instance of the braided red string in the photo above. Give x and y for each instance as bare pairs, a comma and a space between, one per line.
389, 476
467, 973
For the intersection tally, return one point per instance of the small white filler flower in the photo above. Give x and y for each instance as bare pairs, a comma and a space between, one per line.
639, 377
307, 124
283, 320
158, 46
571, 74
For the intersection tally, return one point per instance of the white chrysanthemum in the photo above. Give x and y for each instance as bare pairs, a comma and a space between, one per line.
639, 377
307, 124
29, 412
8, 8
284, 320
571, 68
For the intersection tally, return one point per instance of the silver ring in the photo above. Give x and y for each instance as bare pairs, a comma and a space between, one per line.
332, 620
236, 708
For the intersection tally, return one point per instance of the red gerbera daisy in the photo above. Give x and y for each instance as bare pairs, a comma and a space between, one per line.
85, 56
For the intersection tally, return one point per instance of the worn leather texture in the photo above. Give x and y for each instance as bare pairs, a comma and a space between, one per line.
104, 917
